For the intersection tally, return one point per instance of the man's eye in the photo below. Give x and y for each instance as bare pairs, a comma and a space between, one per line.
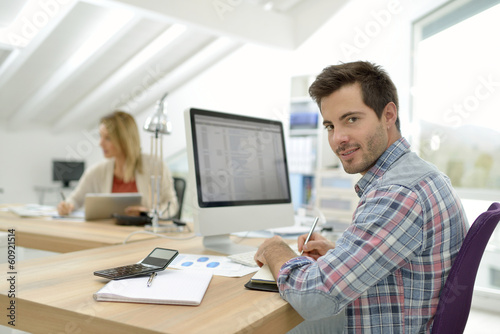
329, 127
352, 119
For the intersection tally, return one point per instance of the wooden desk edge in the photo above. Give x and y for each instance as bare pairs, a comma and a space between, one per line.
267, 312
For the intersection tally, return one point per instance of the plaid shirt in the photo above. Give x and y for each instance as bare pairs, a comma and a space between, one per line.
389, 266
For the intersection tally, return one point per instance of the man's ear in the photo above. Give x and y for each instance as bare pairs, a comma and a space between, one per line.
390, 114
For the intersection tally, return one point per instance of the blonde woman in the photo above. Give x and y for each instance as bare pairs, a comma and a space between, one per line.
125, 169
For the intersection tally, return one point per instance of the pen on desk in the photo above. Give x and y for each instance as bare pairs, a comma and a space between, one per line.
310, 233
150, 280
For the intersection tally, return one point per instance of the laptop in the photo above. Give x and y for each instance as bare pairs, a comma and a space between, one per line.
104, 205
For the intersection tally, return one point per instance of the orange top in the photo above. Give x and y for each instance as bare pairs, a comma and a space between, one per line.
123, 187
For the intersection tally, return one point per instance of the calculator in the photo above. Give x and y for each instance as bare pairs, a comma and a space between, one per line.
157, 260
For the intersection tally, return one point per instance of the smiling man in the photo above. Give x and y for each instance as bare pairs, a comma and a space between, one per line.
387, 270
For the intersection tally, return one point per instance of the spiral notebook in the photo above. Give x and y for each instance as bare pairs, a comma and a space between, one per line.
177, 287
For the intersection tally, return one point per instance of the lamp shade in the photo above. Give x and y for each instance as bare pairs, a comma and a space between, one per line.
158, 121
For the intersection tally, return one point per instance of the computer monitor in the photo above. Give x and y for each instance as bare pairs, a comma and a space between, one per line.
67, 171
239, 168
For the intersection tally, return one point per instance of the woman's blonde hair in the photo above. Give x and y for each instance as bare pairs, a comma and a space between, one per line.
124, 134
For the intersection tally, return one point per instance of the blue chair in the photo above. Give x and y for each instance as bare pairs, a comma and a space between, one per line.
455, 299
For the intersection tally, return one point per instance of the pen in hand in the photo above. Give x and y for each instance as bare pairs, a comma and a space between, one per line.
62, 196
150, 280
310, 233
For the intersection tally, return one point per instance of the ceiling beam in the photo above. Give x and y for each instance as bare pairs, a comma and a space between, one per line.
10, 11
237, 19
309, 17
96, 44
7, 72
192, 67
105, 88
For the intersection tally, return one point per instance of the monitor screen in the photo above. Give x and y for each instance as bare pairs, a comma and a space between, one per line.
67, 171
239, 168
240, 160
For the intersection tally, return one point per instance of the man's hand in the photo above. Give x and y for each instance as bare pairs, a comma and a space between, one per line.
274, 252
316, 247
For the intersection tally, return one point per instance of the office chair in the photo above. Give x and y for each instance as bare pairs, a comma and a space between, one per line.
180, 188
455, 300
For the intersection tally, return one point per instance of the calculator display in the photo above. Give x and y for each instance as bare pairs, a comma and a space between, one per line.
160, 257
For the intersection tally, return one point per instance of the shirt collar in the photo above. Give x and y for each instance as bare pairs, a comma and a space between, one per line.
393, 153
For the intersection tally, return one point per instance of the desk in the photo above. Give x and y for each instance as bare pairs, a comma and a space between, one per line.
54, 295
63, 236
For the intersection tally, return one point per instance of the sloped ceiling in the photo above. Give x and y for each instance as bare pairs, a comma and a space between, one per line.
77, 60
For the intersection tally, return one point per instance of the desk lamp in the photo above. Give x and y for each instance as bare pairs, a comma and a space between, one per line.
159, 124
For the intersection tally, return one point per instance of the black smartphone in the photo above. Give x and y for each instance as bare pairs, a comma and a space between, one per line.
157, 260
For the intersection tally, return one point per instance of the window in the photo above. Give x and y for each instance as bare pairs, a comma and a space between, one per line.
456, 94
456, 111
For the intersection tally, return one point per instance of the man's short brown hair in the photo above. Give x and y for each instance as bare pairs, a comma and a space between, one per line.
377, 88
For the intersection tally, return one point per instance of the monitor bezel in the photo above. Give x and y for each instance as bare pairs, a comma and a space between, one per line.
211, 204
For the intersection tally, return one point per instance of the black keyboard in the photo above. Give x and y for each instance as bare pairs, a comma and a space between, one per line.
132, 270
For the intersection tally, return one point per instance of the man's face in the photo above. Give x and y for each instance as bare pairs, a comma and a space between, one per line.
355, 133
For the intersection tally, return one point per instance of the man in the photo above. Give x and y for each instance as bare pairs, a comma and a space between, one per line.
388, 268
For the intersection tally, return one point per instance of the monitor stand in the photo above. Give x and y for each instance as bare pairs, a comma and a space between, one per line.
223, 244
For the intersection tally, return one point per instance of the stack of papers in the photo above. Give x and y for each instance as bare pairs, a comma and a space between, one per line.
33, 210
178, 287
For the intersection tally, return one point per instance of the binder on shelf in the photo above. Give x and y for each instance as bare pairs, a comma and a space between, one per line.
303, 120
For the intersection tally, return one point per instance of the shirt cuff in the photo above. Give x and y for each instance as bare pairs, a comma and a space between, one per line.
285, 270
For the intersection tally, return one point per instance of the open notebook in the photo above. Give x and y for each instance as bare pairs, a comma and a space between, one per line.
263, 280
178, 287
264, 275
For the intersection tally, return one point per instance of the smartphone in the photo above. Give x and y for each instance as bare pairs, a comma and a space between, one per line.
157, 260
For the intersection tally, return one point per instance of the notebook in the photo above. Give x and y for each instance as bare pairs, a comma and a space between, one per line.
103, 206
264, 275
263, 280
177, 287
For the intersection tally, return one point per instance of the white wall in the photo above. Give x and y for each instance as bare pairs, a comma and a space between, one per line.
26, 158
254, 80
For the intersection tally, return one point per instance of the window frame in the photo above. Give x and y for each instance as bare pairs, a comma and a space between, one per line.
434, 22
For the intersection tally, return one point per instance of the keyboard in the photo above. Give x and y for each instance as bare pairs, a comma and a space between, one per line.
132, 270
246, 258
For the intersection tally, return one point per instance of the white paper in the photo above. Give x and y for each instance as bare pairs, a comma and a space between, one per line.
217, 265
168, 287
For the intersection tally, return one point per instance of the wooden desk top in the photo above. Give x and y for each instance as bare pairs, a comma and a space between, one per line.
55, 295
63, 236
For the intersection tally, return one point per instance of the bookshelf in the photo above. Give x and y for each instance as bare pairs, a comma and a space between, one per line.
316, 176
